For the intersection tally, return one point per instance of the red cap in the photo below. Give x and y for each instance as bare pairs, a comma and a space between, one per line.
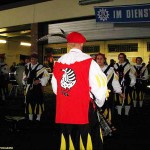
75, 37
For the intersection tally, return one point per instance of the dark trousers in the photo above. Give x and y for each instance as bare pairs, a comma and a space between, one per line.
128, 96
89, 134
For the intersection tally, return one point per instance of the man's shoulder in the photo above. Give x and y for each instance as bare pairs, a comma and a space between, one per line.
40, 66
62, 57
86, 55
73, 58
116, 65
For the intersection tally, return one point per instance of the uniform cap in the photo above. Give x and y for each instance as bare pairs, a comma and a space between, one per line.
75, 37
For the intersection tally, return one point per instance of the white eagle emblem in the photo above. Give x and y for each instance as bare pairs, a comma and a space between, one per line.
103, 14
68, 80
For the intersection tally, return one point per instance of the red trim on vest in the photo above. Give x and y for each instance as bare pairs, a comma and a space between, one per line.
72, 102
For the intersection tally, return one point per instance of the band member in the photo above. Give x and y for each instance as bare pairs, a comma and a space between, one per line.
34, 78
112, 62
4, 78
13, 67
113, 85
141, 74
75, 75
127, 80
27, 60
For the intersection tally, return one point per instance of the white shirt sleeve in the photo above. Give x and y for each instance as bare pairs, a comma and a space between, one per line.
45, 78
98, 83
116, 85
132, 77
146, 74
23, 78
54, 84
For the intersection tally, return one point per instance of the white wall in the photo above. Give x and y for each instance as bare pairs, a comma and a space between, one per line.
54, 10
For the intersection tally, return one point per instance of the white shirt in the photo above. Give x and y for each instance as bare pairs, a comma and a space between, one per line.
131, 73
144, 69
115, 83
97, 79
45, 77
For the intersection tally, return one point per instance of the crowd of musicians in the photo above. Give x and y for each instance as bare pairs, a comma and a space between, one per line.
126, 86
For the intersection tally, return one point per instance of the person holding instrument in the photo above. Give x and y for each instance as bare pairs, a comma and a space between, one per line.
75, 76
35, 77
127, 81
141, 74
113, 85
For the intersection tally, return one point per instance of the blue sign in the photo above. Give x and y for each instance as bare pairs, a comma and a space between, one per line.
122, 14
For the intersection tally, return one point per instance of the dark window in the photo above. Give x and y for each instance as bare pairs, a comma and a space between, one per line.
86, 49
56, 50
91, 49
148, 46
128, 47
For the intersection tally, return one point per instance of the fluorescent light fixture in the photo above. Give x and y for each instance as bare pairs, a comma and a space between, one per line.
3, 41
87, 2
148, 86
25, 44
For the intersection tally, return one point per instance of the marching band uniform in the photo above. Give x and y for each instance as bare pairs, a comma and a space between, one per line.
141, 74
127, 80
34, 92
75, 76
114, 87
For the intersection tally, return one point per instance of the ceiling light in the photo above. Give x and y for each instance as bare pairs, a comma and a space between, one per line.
3, 29
25, 44
3, 41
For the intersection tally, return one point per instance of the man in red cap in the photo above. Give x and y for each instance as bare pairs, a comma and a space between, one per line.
75, 76
34, 77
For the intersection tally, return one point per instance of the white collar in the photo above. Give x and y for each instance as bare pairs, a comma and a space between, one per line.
34, 65
122, 63
76, 50
138, 65
104, 68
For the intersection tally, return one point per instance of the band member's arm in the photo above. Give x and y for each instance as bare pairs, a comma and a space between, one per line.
132, 77
115, 66
98, 83
45, 78
54, 84
24, 78
116, 85
145, 77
